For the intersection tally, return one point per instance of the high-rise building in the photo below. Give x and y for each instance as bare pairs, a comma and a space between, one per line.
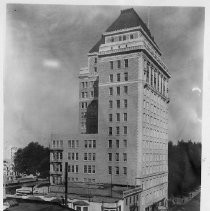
123, 114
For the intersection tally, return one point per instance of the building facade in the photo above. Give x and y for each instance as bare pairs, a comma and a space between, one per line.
123, 115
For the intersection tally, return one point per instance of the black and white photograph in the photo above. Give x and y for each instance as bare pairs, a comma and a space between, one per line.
102, 107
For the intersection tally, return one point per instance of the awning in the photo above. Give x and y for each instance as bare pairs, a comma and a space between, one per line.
80, 203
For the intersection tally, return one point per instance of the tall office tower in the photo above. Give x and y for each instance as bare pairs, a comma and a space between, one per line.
123, 113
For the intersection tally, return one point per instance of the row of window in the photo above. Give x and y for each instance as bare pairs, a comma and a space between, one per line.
57, 156
155, 99
89, 169
125, 117
154, 121
117, 143
118, 64
155, 109
154, 145
118, 90
57, 144
84, 105
119, 38
90, 156
119, 103
116, 170
87, 84
125, 130
87, 94
131, 200
73, 168
154, 169
90, 143
154, 157
73, 143
117, 157
118, 77
57, 167
73, 156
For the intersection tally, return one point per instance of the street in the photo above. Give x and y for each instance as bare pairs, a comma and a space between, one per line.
193, 205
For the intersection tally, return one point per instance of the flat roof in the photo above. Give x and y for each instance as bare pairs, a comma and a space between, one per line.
92, 192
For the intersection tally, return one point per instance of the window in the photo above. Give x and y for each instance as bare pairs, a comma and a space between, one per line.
125, 170
95, 69
125, 143
90, 143
117, 156
118, 117
110, 156
110, 169
126, 76
110, 91
124, 157
125, 103
111, 65
77, 142
73, 144
89, 156
120, 38
85, 168
125, 117
118, 64
125, 130
92, 93
126, 62
95, 60
94, 143
77, 156
125, 89
85, 156
117, 170
112, 39
118, 103
111, 77
118, 77
93, 169
124, 37
77, 169
110, 130
86, 144
69, 156
131, 36
110, 104
110, 117
118, 130
89, 169
117, 143
94, 156
110, 144
53, 143
118, 90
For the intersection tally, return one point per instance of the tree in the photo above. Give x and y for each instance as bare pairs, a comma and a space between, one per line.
184, 162
33, 159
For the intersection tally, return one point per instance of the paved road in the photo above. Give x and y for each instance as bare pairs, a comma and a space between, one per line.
193, 205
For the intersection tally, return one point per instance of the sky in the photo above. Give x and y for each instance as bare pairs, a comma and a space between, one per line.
46, 45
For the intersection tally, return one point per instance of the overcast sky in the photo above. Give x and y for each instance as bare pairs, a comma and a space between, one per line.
46, 45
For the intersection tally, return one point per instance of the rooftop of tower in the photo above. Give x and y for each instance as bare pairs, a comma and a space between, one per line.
128, 18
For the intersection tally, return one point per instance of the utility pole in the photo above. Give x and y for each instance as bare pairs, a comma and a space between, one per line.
66, 182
